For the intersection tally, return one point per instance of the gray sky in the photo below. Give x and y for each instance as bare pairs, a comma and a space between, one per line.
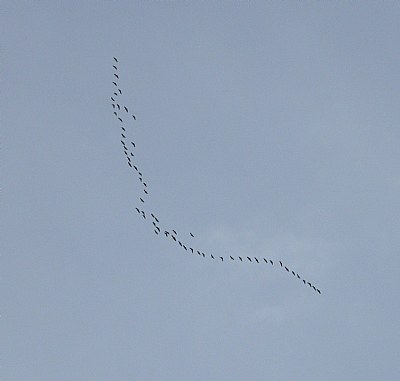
266, 128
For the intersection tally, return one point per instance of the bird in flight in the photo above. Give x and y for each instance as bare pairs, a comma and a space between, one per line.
115, 59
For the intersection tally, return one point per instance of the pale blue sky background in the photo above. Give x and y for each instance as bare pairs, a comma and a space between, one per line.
266, 128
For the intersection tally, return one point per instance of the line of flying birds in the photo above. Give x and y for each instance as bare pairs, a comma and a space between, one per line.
122, 113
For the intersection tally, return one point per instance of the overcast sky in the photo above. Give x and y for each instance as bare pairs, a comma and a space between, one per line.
268, 129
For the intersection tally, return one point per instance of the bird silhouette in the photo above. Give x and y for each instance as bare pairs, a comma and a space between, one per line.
173, 238
130, 164
166, 233
184, 247
286, 269
133, 144
119, 107
175, 232
318, 291
203, 255
115, 59
115, 67
123, 129
155, 231
134, 117
115, 83
191, 248
116, 75
113, 105
249, 259
141, 199
191, 234
256, 260
137, 209
125, 108
180, 243
115, 113
222, 259
112, 99
212, 256
123, 136
231, 258
120, 91
145, 191
265, 260
280, 263
272, 263
241, 260
116, 94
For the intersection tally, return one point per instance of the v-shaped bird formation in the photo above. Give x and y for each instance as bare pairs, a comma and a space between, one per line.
183, 241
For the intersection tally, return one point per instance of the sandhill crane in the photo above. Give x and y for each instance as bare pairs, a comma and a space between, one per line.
133, 144
173, 238
256, 260
141, 199
115, 83
166, 233
120, 91
241, 260
115, 67
286, 269
272, 263
191, 234
266, 261
116, 75
137, 209
280, 263
249, 259
112, 99
145, 191
115, 59
231, 258
126, 109
119, 107
134, 117
222, 259
318, 291
212, 256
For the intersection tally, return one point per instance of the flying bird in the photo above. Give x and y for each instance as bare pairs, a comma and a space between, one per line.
173, 238
133, 144
155, 231
134, 117
241, 260
125, 108
119, 107
232, 258
166, 233
191, 234
115, 67
174, 231
115, 83
222, 259
123, 136
116, 75
256, 260
272, 263
212, 256
137, 209
123, 129
120, 91
286, 269
115, 59
318, 291
280, 263
113, 105
145, 191
112, 99
249, 259
116, 94
266, 261
115, 113
191, 248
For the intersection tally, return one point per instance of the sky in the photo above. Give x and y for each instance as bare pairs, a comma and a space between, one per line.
268, 129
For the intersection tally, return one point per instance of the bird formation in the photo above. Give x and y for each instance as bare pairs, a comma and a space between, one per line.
121, 112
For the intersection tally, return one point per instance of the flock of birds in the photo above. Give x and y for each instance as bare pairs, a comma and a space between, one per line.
123, 115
